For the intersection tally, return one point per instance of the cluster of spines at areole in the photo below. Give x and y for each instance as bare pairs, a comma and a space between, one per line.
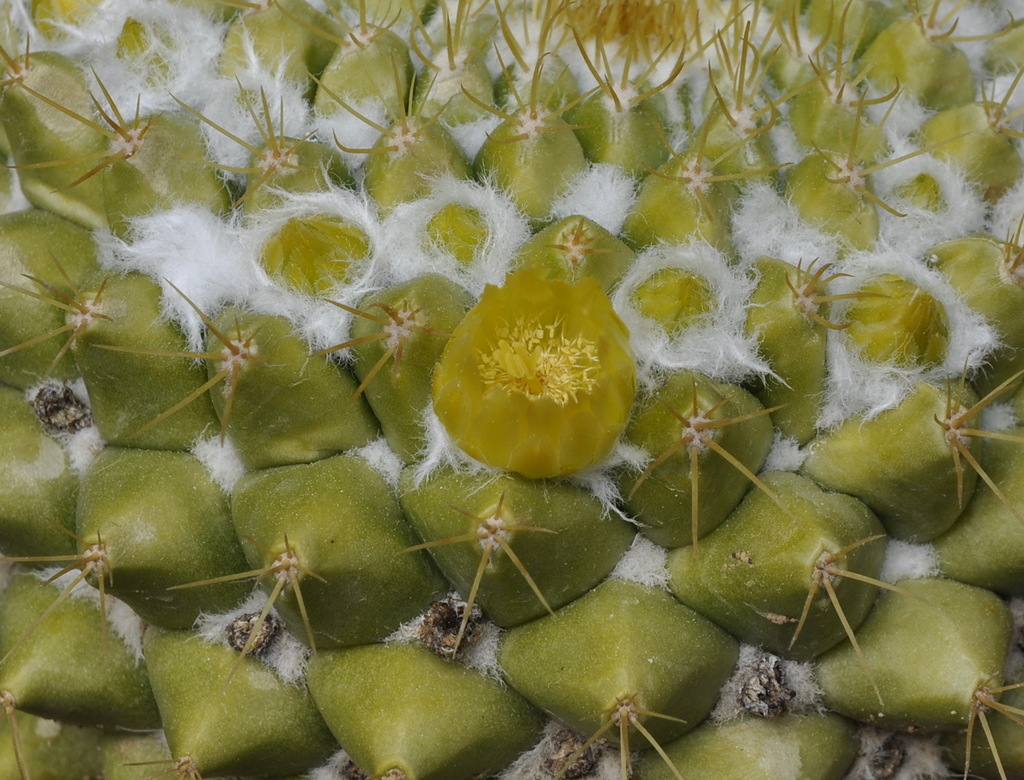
449, 390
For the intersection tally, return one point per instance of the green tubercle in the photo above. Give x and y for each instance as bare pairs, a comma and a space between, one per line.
762, 575
705, 441
907, 463
574, 247
223, 718
542, 543
328, 534
404, 713
278, 403
397, 337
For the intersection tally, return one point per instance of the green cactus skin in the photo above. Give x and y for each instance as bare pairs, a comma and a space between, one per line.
987, 156
565, 539
163, 523
826, 200
628, 135
402, 163
129, 757
340, 522
132, 335
750, 748
674, 206
372, 66
258, 724
165, 170
929, 647
278, 404
930, 70
985, 271
896, 321
621, 645
674, 420
754, 572
39, 244
293, 165
496, 482
1011, 750
40, 133
986, 545
521, 154
99, 681
53, 750
313, 253
452, 724
38, 504
786, 318
575, 247
284, 34
458, 231
406, 328
921, 497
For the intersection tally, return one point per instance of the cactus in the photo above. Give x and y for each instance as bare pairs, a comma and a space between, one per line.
464, 389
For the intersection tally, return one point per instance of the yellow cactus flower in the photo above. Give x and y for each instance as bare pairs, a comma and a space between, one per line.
539, 378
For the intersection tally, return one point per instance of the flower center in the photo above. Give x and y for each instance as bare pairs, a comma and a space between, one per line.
542, 362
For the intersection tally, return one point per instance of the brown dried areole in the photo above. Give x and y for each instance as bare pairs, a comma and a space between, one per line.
240, 628
566, 744
439, 629
60, 410
765, 692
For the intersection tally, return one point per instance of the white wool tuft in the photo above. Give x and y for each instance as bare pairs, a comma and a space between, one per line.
83, 447
764, 224
920, 229
221, 460
334, 769
181, 58
917, 757
907, 561
229, 110
196, 252
470, 136
16, 199
441, 451
334, 202
382, 459
603, 193
412, 254
1005, 219
858, 387
998, 417
533, 763
785, 454
355, 131
601, 482
644, 563
716, 343
288, 656
482, 655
